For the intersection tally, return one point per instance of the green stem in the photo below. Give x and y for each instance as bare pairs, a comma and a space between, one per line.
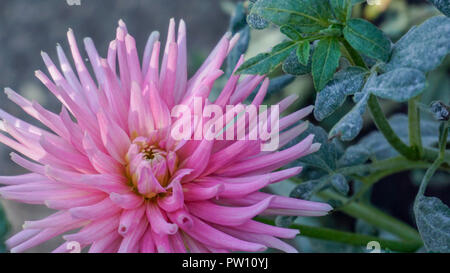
385, 128
431, 154
348, 237
429, 173
415, 140
354, 238
375, 217
390, 165
443, 134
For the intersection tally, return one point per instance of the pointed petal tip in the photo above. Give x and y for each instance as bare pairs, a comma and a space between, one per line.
236, 37
87, 40
315, 147
13, 250
8, 91
113, 44
121, 23
308, 109
40, 75
293, 97
128, 37
262, 248
297, 170
228, 35
154, 35
328, 207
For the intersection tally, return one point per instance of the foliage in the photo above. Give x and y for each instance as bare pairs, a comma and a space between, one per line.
353, 65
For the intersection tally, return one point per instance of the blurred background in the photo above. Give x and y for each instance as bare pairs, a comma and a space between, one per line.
29, 26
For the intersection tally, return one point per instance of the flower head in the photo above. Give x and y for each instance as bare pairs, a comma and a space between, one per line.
109, 163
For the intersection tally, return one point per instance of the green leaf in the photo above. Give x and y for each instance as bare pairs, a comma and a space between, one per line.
367, 39
302, 52
340, 184
308, 15
354, 155
332, 31
341, 9
433, 222
325, 158
333, 95
355, 2
442, 5
292, 66
325, 60
290, 32
423, 47
307, 189
349, 126
398, 85
264, 63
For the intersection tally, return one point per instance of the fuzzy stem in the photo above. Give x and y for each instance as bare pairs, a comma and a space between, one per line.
392, 165
439, 160
387, 131
415, 140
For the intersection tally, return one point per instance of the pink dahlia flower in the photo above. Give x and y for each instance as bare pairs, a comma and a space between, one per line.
116, 177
